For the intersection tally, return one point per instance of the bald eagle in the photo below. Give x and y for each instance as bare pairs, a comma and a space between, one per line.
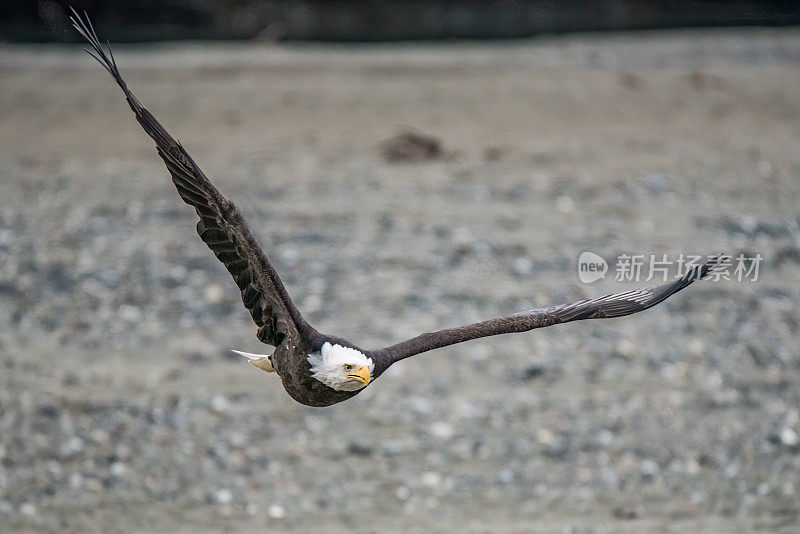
317, 369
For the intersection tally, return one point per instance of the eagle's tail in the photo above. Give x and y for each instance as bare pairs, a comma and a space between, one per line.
262, 361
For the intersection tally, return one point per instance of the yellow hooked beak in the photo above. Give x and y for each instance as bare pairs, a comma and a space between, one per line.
361, 374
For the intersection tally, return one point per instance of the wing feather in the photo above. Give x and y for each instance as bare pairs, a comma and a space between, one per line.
221, 226
607, 306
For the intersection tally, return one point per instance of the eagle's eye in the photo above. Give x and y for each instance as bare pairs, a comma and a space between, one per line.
348, 367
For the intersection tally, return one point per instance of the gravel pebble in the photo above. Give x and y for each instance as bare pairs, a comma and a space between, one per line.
118, 410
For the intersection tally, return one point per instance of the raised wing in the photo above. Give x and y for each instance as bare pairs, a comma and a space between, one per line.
616, 305
221, 226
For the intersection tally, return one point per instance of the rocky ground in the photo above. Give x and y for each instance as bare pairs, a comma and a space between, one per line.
121, 408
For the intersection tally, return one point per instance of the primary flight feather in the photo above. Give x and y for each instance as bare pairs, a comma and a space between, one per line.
318, 369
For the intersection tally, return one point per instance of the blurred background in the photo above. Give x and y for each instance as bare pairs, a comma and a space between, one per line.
407, 166
377, 20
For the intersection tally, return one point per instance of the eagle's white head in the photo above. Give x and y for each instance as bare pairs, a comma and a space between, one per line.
341, 368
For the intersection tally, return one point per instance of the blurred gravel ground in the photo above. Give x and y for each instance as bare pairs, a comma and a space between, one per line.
121, 408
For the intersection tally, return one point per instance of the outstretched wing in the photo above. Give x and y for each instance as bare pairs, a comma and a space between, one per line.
616, 305
221, 226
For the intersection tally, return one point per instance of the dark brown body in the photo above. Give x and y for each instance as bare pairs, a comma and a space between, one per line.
290, 361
